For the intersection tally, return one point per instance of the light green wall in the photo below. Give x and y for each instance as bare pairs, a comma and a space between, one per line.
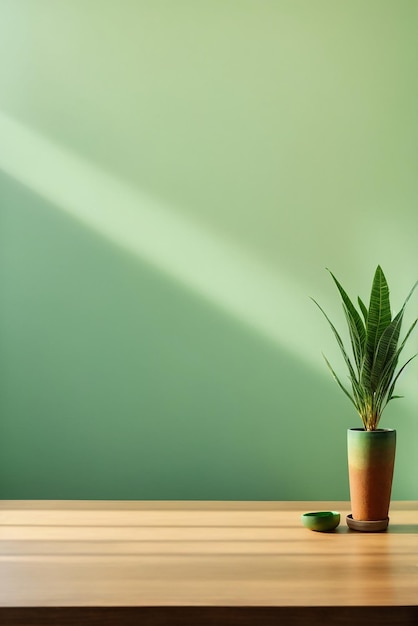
175, 177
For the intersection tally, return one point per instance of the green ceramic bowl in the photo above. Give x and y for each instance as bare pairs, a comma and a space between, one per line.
322, 521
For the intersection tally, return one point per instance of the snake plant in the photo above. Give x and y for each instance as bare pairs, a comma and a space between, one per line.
375, 349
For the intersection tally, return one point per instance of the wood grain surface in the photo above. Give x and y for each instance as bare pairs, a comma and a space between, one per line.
124, 562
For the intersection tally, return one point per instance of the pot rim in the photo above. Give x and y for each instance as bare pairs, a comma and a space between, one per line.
378, 430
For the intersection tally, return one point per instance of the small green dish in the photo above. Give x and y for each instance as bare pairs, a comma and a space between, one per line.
322, 521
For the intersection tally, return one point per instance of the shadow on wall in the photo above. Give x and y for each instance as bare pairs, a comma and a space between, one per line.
118, 383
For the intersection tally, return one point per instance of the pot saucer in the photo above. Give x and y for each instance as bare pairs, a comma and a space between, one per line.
374, 526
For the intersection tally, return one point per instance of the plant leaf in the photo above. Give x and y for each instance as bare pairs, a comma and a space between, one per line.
385, 350
355, 325
379, 317
387, 345
347, 393
340, 343
363, 309
392, 387
387, 383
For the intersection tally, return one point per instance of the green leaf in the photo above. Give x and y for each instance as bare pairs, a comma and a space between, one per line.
392, 387
339, 341
387, 345
347, 393
410, 294
379, 317
385, 350
355, 325
363, 309
387, 384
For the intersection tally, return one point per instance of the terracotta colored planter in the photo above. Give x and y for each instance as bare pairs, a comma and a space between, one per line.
371, 459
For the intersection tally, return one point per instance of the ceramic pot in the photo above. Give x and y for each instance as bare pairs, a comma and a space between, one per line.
371, 459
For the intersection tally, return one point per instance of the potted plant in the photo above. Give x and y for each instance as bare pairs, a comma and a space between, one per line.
373, 372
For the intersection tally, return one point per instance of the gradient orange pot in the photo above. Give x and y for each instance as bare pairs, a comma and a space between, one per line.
371, 460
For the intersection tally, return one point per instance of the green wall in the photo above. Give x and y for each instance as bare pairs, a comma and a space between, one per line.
175, 177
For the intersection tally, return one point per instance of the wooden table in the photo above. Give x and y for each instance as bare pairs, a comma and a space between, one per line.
201, 564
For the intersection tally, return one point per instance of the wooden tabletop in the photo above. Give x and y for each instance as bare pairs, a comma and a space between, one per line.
250, 555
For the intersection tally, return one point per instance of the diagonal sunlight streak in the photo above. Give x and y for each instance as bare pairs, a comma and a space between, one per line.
217, 269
